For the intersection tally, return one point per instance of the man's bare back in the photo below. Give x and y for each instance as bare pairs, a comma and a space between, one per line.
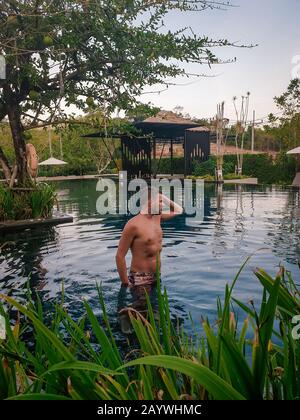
143, 236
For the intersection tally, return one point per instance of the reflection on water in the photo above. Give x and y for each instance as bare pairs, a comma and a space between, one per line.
197, 261
135, 300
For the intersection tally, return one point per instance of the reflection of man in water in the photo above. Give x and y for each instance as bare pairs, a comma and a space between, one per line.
136, 301
143, 236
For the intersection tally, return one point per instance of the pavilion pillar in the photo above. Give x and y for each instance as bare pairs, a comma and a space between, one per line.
171, 149
154, 157
185, 155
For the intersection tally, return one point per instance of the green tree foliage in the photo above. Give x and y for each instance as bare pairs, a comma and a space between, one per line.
286, 129
141, 112
289, 101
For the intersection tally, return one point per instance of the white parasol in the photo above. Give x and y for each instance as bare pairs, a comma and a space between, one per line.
52, 161
295, 151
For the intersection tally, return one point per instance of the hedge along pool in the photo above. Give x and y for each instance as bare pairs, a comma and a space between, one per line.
197, 261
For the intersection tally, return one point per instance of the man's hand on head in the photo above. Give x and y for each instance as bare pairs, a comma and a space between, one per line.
174, 208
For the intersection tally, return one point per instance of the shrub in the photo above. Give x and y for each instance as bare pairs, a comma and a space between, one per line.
6, 203
165, 165
205, 168
42, 201
268, 171
33, 203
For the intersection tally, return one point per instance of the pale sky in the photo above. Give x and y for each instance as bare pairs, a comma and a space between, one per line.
265, 70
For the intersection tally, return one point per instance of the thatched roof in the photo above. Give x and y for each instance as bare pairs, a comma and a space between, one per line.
200, 128
168, 117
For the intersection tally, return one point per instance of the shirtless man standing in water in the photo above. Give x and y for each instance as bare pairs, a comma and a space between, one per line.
143, 236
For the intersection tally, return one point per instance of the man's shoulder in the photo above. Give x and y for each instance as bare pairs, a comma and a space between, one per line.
132, 224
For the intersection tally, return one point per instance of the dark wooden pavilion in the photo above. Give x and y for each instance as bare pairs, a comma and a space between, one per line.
139, 153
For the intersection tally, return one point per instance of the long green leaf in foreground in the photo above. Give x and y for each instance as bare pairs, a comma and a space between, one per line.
225, 317
285, 300
86, 366
264, 335
240, 372
215, 385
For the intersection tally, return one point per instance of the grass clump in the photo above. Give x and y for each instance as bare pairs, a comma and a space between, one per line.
31, 203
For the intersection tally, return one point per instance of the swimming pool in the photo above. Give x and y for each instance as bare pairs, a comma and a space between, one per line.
197, 261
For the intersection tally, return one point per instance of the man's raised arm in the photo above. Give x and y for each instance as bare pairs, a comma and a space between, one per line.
174, 208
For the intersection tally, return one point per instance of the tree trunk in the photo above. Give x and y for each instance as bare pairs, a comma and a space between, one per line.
14, 117
5, 165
